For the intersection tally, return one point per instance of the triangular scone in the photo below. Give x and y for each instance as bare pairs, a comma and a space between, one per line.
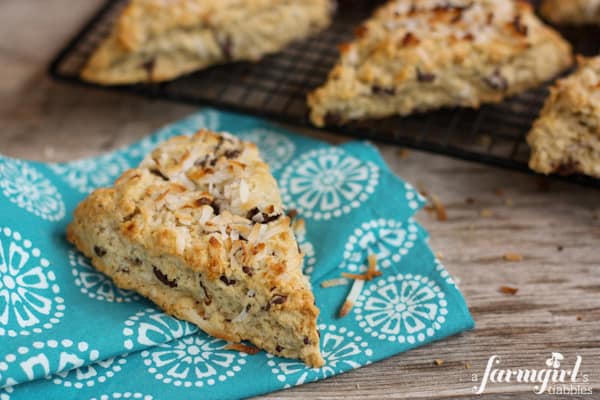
566, 137
158, 40
199, 229
417, 55
572, 12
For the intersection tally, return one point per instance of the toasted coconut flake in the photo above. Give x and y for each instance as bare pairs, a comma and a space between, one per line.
334, 282
513, 257
242, 348
508, 290
438, 361
244, 191
371, 273
486, 213
357, 287
299, 227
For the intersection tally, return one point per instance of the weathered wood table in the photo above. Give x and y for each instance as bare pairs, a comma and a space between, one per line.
554, 226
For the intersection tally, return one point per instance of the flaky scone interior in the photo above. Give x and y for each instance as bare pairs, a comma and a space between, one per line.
199, 228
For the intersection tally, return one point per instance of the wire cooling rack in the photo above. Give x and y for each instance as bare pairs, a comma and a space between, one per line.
276, 88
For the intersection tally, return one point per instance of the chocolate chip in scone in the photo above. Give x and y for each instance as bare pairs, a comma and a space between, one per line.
333, 118
248, 270
164, 278
278, 348
248, 307
207, 298
227, 281
256, 215
235, 153
201, 162
158, 173
496, 81
278, 299
100, 251
569, 167
215, 207
380, 90
149, 67
519, 26
137, 261
226, 45
425, 76
306, 341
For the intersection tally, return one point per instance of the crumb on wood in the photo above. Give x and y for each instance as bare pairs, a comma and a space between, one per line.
470, 200
403, 153
468, 365
499, 192
579, 317
438, 361
437, 207
560, 248
486, 213
439, 255
508, 202
512, 257
508, 290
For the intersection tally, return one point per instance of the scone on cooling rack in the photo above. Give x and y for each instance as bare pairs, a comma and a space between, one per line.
418, 55
571, 12
566, 137
199, 228
158, 40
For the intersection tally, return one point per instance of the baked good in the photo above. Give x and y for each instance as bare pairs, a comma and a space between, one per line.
571, 12
158, 40
199, 228
417, 55
566, 137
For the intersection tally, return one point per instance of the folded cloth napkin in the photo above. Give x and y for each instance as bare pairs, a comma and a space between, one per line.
67, 332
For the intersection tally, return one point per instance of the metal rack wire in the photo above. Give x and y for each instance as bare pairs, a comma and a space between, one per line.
276, 88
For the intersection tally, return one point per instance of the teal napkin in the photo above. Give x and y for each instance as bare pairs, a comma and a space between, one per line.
67, 332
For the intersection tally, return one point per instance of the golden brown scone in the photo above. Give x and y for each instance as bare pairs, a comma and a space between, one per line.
417, 55
158, 40
566, 137
199, 229
571, 12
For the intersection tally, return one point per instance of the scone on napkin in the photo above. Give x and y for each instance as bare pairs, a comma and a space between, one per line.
199, 228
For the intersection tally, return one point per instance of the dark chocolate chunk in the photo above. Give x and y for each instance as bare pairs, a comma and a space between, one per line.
248, 307
164, 278
278, 299
201, 162
100, 251
333, 118
226, 46
256, 216
425, 76
278, 348
496, 81
519, 26
248, 270
137, 261
232, 153
207, 298
380, 90
149, 67
306, 341
227, 281
215, 207
159, 174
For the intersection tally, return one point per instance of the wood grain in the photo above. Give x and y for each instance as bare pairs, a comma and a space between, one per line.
554, 225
